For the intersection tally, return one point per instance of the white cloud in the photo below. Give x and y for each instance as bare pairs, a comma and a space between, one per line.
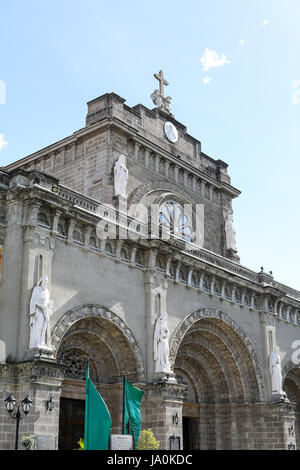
2, 141
242, 41
264, 23
206, 80
211, 59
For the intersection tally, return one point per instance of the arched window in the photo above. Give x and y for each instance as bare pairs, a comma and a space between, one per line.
194, 281
62, 229
174, 221
43, 219
139, 259
77, 237
217, 288
93, 242
182, 275
173, 270
124, 255
108, 249
159, 263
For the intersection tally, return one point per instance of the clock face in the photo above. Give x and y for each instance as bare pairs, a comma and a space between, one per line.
171, 132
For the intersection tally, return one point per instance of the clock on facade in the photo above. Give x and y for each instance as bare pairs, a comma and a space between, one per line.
171, 132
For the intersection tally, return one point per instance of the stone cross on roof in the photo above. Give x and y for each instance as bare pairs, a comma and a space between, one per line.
162, 82
158, 97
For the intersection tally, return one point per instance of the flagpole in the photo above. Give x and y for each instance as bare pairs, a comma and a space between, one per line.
86, 417
123, 422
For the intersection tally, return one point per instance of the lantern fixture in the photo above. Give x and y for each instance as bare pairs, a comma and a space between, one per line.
10, 404
26, 405
50, 404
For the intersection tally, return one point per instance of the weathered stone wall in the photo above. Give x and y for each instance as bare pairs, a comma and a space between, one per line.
39, 381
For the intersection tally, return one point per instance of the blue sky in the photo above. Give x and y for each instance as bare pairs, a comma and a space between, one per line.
234, 73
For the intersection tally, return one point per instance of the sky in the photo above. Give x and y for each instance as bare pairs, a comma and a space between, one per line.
234, 77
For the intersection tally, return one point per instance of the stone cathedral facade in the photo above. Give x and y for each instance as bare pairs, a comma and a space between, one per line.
117, 244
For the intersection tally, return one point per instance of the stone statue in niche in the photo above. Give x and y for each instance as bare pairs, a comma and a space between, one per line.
121, 177
40, 312
230, 233
161, 344
276, 373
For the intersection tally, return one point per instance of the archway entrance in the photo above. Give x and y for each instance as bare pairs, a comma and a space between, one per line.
110, 356
291, 387
215, 364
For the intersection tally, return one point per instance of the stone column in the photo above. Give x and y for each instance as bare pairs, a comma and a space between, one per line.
280, 419
11, 277
161, 402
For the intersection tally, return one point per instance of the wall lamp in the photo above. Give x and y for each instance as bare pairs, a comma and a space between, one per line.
50, 404
10, 404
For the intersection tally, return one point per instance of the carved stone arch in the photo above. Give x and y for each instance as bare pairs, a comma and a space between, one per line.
210, 313
163, 186
232, 355
99, 312
289, 366
220, 387
291, 386
207, 384
232, 388
191, 374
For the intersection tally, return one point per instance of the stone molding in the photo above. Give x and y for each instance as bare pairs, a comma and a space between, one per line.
36, 369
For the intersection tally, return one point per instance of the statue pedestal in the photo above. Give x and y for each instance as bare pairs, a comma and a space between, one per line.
168, 377
279, 398
41, 353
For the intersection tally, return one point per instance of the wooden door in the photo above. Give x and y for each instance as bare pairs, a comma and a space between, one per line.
71, 423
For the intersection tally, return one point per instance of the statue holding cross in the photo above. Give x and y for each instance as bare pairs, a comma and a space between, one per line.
158, 97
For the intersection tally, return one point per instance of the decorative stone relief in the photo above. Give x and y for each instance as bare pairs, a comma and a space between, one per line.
75, 365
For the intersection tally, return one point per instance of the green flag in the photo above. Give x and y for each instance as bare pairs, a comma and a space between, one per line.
97, 421
132, 412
